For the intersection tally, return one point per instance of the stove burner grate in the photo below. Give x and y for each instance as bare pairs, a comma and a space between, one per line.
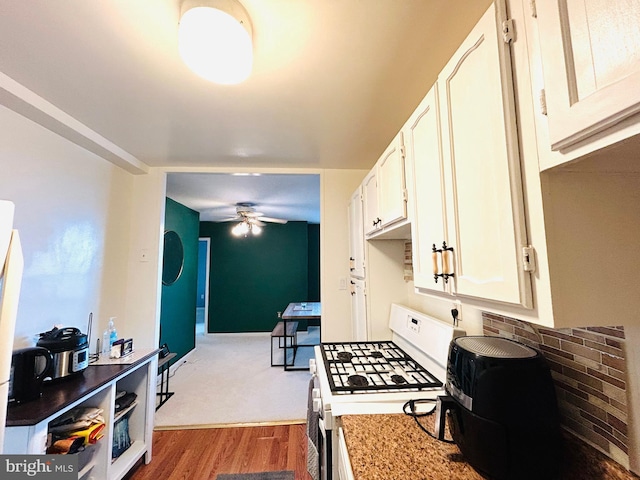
382, 365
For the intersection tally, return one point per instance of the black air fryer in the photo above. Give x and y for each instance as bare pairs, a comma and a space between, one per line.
503, 409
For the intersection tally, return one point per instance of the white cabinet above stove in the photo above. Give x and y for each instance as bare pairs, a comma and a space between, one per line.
385, 194
468, 226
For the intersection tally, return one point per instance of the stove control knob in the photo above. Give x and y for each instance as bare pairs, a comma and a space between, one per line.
317, 405
315, 393
312, 366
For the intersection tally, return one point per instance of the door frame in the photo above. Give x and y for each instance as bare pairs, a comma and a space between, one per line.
206, 282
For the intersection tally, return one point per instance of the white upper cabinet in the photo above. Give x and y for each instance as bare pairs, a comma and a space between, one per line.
428, 229
468, 188
385, 194
356, 236
392, 193
372, 221
479, 138
590, 53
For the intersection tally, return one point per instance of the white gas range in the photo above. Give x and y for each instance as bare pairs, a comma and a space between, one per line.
378, 377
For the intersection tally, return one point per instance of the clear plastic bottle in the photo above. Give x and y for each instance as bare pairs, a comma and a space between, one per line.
106, 348
113, 335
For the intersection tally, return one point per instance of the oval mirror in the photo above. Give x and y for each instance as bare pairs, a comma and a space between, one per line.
172, 258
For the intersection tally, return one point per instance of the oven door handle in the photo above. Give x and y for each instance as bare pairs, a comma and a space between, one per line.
322, 427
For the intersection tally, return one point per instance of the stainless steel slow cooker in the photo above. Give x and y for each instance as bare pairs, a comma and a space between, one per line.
69, 348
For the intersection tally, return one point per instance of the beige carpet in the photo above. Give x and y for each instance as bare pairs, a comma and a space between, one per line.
229, 380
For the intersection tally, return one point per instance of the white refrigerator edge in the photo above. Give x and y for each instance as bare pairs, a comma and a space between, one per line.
11, 267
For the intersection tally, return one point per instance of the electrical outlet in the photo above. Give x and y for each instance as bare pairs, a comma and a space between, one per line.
343, 283
458, 306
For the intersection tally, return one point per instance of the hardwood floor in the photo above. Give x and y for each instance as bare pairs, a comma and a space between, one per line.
204, 453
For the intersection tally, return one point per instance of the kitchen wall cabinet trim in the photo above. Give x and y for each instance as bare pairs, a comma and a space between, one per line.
590, 55
29, 436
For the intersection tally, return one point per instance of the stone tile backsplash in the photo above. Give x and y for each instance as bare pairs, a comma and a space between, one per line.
589, 370
408, 261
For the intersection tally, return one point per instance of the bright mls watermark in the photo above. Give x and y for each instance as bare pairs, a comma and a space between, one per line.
51, 467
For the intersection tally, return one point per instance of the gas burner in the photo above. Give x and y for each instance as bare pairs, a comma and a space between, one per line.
398, 379
357, 381
344, 356
376, 354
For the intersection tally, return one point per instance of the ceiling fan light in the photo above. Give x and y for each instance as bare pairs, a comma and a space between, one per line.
216, 44
256, 229
244, 228
241, 229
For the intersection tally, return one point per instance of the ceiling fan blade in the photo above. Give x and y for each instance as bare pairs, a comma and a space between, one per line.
273, 220
231, 219
257, 222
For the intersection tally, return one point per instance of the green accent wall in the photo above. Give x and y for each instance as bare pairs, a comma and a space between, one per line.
252, 278
178, 304
313, 266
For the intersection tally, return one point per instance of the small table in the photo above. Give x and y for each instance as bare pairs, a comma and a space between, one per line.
300, 311
163, 367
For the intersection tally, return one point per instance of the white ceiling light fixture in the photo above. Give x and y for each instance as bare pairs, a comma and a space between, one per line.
245, 227
215, 40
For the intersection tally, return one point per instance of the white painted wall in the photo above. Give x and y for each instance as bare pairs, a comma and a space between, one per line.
73, 214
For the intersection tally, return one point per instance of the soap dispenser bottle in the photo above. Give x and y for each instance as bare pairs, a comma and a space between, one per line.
113, 335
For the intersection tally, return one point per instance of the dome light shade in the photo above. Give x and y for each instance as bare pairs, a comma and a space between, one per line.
214, 40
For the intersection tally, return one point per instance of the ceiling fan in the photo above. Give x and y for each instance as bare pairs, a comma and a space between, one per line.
249, 220
245, 211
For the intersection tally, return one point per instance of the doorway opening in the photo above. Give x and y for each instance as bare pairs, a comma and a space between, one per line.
202, 300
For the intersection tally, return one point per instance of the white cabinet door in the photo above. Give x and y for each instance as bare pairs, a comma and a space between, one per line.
483, 185
428, 226
345, 471
356, 235
372, 221
591, 62
392, 197
359, 326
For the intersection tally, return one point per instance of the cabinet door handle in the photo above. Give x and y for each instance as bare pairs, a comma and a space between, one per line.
446, 253
436, 267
